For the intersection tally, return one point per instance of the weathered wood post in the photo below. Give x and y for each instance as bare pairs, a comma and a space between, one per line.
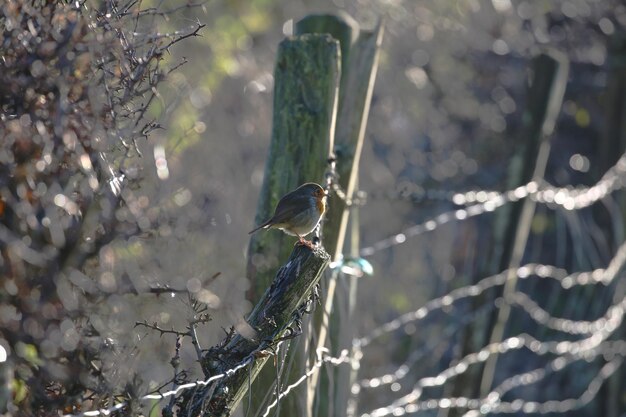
360, 50
305, 109
306, 77
305, 104
269, 321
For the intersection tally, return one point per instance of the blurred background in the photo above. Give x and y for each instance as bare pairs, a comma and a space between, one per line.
446, 117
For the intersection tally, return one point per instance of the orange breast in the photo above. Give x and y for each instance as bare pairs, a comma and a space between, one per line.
321, 205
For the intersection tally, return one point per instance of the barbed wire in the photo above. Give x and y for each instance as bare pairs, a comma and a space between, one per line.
541, 316
480, 202
555, 406
568, 351
598, 330
408, 402
582, 196
600, 275
569, 326
608, 350
322, 358
159, 396
437, 221
614, 351
587, 348
526, 407
403, 369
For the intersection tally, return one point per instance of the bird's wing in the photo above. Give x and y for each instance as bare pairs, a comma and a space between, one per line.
287, 209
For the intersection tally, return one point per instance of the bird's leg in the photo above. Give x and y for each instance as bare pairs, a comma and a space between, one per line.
302, 241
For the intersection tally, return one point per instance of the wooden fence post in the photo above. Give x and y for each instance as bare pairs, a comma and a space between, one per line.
306, 78
305, 104
269, 322
360, 50
305, 110
306, 92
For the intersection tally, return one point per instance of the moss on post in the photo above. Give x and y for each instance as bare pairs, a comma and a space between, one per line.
360, 50
305, 99
306, 74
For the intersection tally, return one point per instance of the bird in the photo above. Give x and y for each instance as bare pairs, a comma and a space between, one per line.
298, 212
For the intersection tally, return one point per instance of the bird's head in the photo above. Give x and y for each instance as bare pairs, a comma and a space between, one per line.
313, 189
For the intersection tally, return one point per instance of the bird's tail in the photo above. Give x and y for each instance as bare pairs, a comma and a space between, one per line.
263, 225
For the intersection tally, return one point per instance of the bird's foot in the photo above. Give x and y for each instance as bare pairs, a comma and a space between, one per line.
303, 242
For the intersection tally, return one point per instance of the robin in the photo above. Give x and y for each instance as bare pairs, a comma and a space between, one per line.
299, 212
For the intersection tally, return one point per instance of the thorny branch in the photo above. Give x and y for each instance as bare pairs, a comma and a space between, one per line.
75, 87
